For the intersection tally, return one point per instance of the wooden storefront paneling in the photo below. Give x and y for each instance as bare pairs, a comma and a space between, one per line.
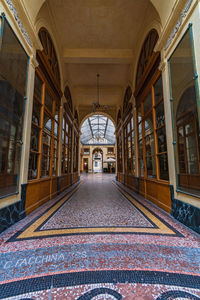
75, 177
130, 182
157, 192
54, 187
65, 182
120, 177
38, 192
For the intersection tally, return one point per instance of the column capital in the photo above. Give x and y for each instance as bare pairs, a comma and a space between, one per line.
33, 61
162, 65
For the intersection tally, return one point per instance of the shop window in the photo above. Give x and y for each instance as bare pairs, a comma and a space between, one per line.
76, 150
185, 115
119, 152
44, 133
66, 144
13, 75
129, 146
152, 145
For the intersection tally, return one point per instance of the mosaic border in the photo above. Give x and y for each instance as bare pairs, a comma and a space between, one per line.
97, 277
32, 230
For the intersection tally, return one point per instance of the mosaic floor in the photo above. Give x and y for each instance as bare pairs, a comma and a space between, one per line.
99, 242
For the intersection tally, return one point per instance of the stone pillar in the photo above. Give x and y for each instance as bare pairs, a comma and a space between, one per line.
168, 122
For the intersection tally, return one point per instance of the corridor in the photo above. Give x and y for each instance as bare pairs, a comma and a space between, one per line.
99, 241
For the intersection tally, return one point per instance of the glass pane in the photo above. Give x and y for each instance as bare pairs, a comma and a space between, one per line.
33, 166
160, 115
191, 151
35, 139
150, 146
67, 127
151, 166
181, 151
141, 163
56, 129
128, 127
132, 124
45, 166
139, 113
189, 128
147, 103
163, 165
63, 136
185, 114
38, 87
162, 142
48, 101
158, 90
57, 111
47, 123
54, 162
46, 140
36, 117
140, 131
149, 124
13, 73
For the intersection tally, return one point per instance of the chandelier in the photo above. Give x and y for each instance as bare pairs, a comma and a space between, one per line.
96, 104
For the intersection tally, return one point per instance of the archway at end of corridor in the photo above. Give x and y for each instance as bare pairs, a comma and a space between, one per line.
98, 144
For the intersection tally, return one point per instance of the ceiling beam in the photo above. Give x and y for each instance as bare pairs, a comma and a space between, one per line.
114, 56
90, 127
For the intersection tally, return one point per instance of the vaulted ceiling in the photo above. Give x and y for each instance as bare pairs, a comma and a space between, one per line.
98, 36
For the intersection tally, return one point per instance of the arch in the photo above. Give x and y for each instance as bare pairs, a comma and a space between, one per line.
97, 149
187, 102
50, 52
100, 113
98, 129
146, 53
188, 140
97, 168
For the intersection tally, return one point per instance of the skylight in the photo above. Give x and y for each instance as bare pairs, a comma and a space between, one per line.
98, 129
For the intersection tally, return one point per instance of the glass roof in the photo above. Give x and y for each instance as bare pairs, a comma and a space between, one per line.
98, 129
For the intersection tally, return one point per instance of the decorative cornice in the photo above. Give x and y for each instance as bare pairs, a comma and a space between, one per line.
178, 24
16, 16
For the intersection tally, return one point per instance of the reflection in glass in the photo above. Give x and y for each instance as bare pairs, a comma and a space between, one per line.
160, 115
147, 103
48, 101
162, 142
38, 87
33, 165
13, 72
36, 113
35, 139
158, 90
186, 117
163, 166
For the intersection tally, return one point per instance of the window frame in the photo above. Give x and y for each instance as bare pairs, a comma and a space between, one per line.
41, 129
150, 90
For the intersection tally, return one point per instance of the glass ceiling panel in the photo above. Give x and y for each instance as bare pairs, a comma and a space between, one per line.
98, 129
